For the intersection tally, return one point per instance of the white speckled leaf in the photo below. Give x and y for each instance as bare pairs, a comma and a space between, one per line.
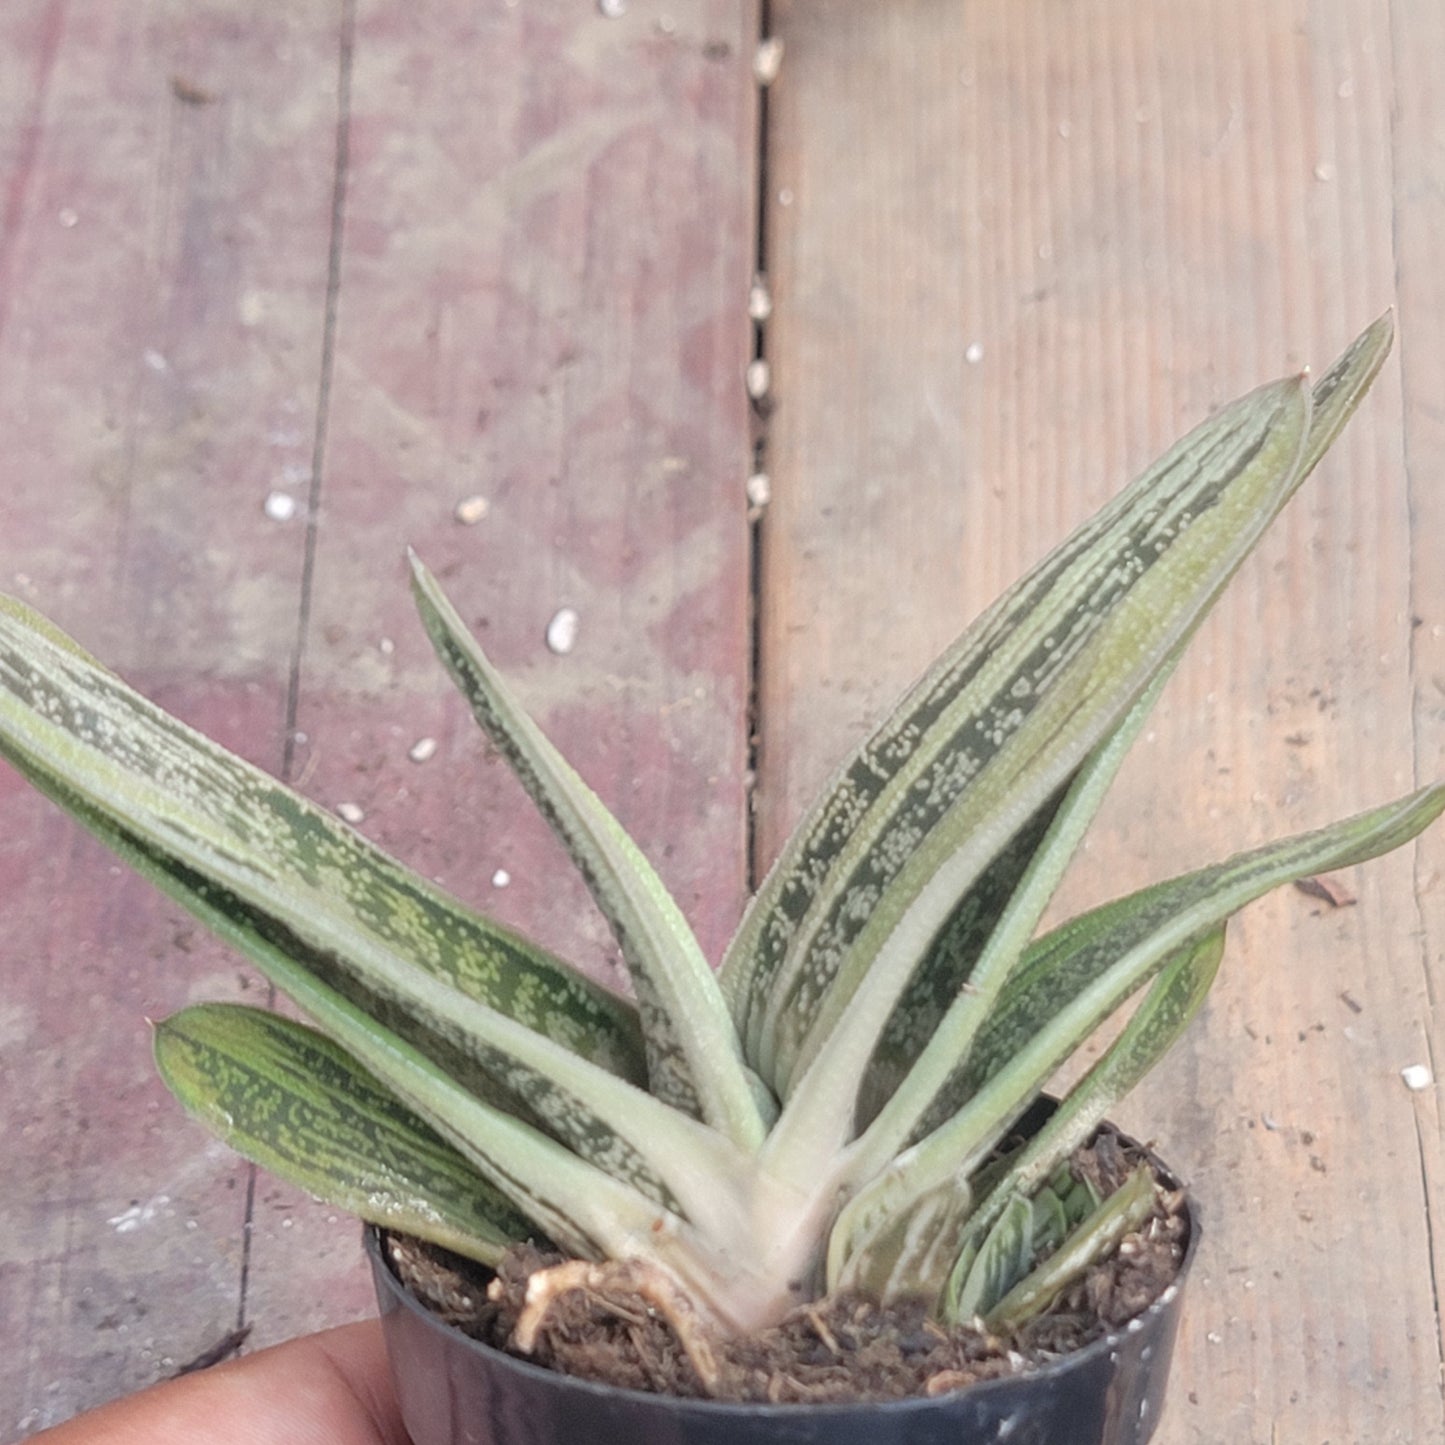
1050, 673
292, 1101
694, 1060
1003, 722
331, 909
932, 1026
856, 1260
1080, 974
998, 725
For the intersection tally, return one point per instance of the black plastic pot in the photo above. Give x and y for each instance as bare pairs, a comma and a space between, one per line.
454, 1391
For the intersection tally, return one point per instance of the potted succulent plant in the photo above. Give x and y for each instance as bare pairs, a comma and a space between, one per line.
847, 1110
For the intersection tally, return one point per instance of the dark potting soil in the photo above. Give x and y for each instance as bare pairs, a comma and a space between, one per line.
844, 1348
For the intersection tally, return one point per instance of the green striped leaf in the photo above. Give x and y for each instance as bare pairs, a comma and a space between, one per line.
1013, 711
938, 1054
1001, 1261
876, 1245
79, 723
1026, 1228
293, 1102
1127, 1209
1095, 622
933, 989
694, 1060
932, 1026
331, 909
1075, 978
1340, 390
577, 1205
1174, 998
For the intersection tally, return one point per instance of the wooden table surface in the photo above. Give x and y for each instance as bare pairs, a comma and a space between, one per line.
280, 287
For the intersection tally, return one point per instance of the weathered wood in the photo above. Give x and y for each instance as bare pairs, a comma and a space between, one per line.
546, 249
166, 175
1419, 212
1133, 214
542, 303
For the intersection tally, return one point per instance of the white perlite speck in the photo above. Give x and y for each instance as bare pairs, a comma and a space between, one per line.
501, 878
1417, 1077
760, 300
349, 812
759, 379
768, 60
760, 490
612, 8
974, 354
471, 510
280, 506
422, 749
562, 630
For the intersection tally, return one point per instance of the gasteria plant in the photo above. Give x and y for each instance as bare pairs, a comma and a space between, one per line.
830, 1109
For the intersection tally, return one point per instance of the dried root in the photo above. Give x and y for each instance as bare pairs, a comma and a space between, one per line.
619, 1286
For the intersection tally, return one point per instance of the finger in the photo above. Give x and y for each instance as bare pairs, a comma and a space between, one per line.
328, 1389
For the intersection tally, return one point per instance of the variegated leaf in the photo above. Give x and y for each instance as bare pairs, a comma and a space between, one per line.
1175, 996
953, 957
942, 1051
1002, 1259
906, 1247
1078, 975
1078, 634
290, 1100
1124, 1211
934, 1011
310, 900
81, 724
694, 1060
1095, 623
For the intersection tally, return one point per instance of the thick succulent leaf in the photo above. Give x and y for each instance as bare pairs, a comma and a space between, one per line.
75, 721
934, 987
1001, 1260
1172, 1001
694, 1060
915, 1107
1025, 1228
1095, 1239
1075, 978
1339, 391
290, 1100
311, 900
590, 1213
1094, 623
1166, 1011
888, 1247
934, 1012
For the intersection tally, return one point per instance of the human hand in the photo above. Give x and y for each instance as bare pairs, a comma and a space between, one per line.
328, 1389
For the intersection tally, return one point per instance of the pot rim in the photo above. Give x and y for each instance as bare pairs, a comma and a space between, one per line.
1075, 1360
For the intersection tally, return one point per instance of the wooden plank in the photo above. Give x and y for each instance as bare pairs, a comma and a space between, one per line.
541, 300
1133, 214
1419, 168
166, 193
511, 327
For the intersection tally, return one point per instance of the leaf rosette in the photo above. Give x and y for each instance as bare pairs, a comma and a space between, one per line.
836, 1105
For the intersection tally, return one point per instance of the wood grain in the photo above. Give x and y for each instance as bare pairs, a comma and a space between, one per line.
141, 414
507, 329
536, 295
1131, 214
1016, 249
